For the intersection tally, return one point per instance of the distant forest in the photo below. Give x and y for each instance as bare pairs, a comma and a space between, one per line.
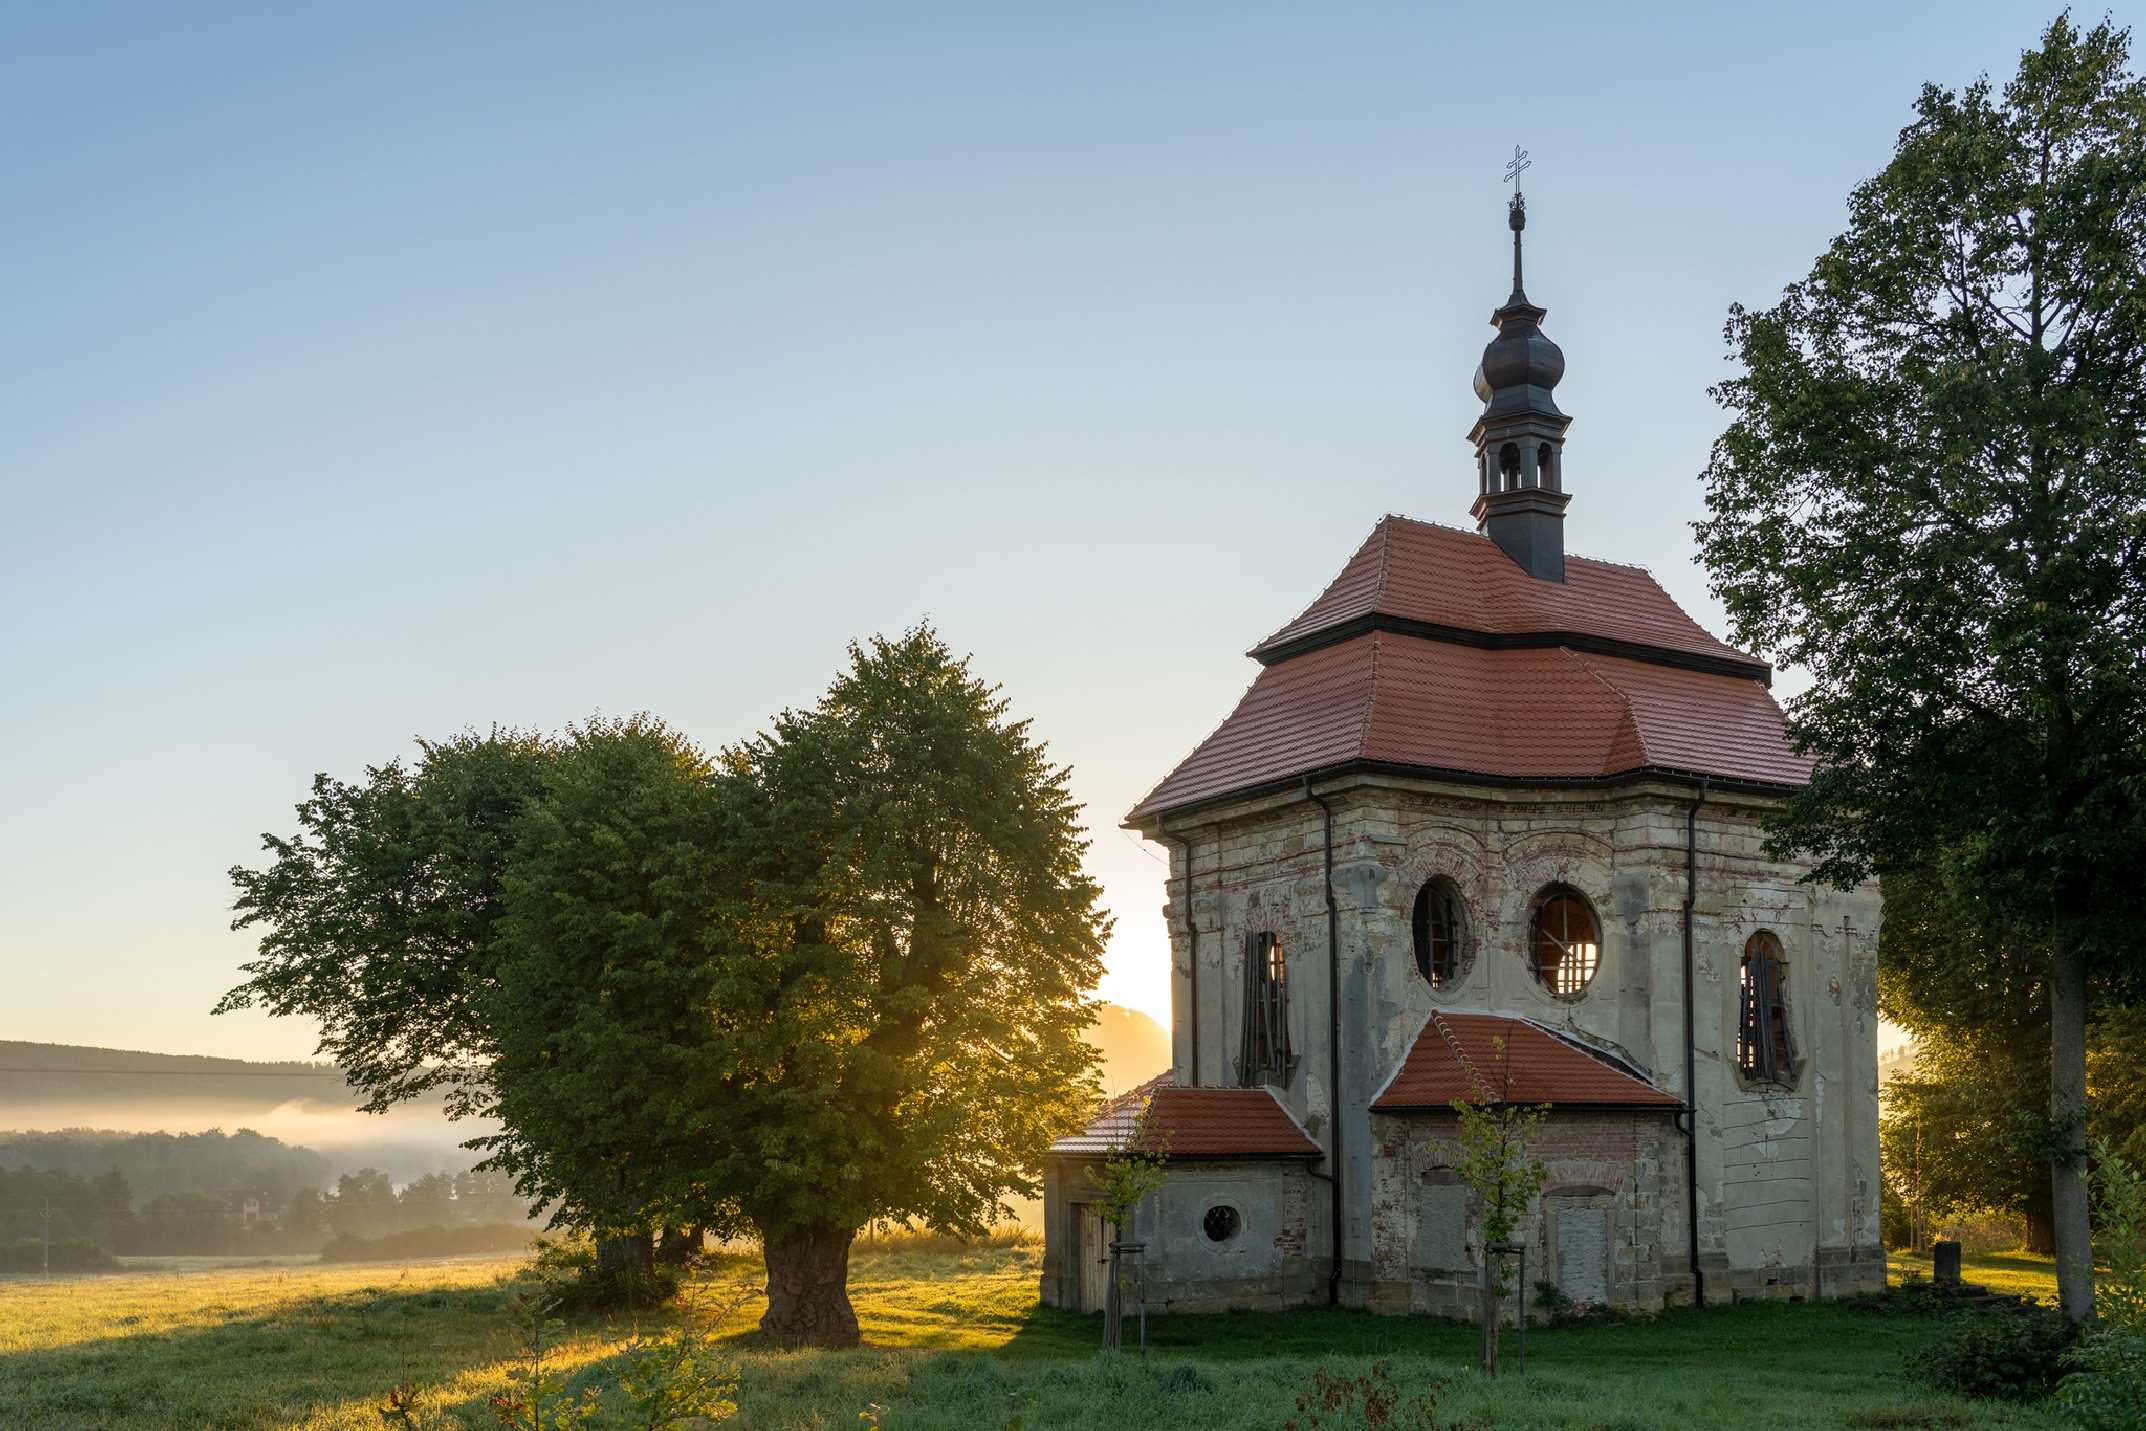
156, 1164
195, 1193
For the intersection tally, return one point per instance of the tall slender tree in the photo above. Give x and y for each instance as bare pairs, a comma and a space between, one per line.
1932, 495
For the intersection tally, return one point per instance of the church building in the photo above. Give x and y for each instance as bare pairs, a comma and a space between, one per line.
1486, 825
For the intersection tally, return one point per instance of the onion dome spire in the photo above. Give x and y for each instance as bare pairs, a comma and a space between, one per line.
1520, 438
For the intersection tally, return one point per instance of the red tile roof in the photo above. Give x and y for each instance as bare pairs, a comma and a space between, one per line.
1531, 713
1444, 577
1454, 1051
1196, 1123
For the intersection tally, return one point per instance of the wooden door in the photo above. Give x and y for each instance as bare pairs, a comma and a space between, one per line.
1092, 1250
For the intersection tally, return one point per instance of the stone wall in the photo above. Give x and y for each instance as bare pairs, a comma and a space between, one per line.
1783, 1172
1607, 1228
1273, 1256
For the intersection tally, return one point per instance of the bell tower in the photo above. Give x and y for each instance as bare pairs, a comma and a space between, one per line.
1520, 438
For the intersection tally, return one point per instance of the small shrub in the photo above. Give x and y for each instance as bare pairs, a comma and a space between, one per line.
538, 1396
1369, 1400
2008, 1356
2104, 1387
1914, 1297
1185, 1379
574, 1282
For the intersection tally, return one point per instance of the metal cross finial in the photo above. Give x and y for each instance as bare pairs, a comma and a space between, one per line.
1514, 165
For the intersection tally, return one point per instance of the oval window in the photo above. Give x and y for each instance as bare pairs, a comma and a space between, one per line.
1565, 944
1221, 1222
1441, 934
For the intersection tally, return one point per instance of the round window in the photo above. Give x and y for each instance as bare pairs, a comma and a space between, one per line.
1441, 934
1565, 946
1221, 1222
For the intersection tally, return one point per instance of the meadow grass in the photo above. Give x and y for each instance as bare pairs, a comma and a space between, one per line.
956, 1341
2018, 1274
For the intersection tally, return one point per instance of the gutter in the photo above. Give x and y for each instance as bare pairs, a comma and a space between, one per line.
1691, 1052
1333, 1047
1639, 774
1192, 942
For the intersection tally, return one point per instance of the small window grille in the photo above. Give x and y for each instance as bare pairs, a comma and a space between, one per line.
1266, 1056
1221, 1222
1764, 1051
1438, 933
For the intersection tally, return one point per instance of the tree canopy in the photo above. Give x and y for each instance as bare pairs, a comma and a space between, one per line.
380, 916
1931, 494
835, 974
917, 930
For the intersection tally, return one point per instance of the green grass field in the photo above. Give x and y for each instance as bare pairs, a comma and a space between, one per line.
956, 1342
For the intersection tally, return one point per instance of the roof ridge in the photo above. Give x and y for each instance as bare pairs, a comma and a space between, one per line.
1198, 746
1630, 719
1572, 1039
1371, 700
1379, 534
1466, 532
1460, 1055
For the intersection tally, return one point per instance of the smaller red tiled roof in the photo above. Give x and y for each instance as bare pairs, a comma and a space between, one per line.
1443, 577
1195, 1123
1454, 1051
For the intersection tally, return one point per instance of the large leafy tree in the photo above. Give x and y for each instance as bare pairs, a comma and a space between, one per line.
836, 975
611, 991
906, 1000
380, 917
1932, 495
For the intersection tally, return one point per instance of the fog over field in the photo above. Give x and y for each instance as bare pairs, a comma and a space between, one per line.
48, 1087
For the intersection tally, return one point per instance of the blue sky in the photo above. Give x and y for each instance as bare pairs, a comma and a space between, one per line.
379, 371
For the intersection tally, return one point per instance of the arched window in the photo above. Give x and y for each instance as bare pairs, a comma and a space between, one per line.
1545, 470
1565, 943
1508, 468
1441, 933
1764, 1052
1264, 1056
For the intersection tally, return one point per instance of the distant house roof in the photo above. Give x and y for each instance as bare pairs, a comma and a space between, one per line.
1195, 1123
1434, 654
1455, 1055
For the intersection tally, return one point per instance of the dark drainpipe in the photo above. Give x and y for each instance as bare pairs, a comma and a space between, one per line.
1333, 1043
1192, 945
1691, 1050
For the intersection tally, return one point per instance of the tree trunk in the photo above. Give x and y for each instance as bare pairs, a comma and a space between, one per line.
2041, 1223
2067, 1113
678, 1244
808, 1287
632, 1252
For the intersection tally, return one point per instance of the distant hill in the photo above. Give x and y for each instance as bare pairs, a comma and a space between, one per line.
1134, 1047
48, 1086
48, 1075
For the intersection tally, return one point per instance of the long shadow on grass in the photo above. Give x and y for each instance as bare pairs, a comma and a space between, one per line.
262, 1366
1829, 1339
